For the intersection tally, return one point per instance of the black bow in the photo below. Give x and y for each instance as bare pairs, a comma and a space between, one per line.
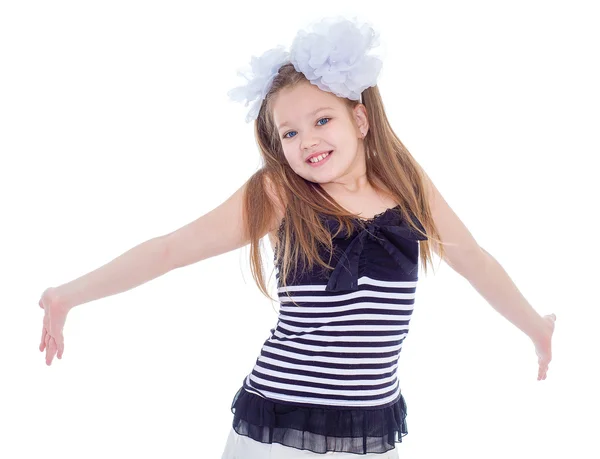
392, 232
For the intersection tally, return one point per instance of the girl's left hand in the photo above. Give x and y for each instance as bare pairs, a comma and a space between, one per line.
543, 346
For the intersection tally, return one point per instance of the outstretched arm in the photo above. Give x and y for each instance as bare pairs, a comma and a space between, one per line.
487, 276
495, 285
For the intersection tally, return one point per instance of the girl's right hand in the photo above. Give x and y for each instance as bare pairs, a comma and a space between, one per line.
55, 316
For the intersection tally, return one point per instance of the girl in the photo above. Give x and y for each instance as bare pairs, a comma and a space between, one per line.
348, 212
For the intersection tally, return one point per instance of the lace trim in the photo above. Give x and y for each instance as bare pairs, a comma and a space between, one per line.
374, 217
368, 220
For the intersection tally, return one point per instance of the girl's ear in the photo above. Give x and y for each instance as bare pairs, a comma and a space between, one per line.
360, 118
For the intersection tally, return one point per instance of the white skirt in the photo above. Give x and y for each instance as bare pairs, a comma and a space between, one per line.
242, 447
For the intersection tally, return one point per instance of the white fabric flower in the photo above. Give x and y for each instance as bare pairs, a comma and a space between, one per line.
334, 57
264, 69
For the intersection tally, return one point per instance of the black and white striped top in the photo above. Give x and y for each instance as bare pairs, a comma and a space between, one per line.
340, 346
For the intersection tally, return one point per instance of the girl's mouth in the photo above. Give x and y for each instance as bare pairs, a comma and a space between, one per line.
322, 161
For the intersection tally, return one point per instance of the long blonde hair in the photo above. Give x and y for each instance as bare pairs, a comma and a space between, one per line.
301, 231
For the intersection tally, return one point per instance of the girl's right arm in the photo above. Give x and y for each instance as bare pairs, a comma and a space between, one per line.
138, 265
214, 233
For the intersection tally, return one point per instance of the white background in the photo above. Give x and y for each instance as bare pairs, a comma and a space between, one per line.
115, 127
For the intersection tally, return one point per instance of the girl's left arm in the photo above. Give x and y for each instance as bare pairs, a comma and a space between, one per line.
488, 277
485, 274
492, 282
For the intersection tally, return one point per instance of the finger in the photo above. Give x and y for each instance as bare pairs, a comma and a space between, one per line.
60, 344
51, 351
46, 343
42, 344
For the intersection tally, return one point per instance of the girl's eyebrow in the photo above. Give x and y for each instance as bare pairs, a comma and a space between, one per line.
285, 123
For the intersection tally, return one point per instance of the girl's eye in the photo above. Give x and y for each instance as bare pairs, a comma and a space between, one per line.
286, 137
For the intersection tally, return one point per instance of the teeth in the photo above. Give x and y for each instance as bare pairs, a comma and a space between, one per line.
316, 159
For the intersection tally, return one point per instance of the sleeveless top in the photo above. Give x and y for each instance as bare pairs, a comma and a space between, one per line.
326, 379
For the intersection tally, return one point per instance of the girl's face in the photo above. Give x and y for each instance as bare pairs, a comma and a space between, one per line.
309, 120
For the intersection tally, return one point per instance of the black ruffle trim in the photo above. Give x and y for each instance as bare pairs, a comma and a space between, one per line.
361, 431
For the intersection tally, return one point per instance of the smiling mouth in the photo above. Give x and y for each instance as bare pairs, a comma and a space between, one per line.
317, 162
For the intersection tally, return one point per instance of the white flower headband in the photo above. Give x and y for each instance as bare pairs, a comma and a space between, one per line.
333, 57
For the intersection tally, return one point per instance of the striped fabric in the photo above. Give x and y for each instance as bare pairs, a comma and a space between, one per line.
340, 346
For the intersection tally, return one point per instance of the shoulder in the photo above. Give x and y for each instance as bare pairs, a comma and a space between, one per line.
461, 250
